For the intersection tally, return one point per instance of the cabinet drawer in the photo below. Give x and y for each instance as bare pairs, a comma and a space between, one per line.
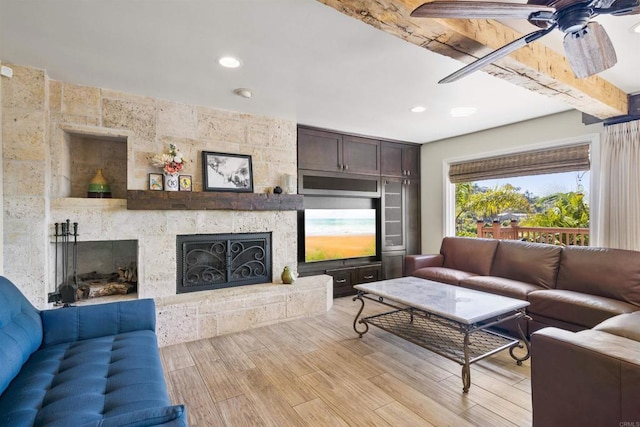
342, 282
368, 274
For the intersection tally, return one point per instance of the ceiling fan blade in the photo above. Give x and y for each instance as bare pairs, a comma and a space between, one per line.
497, 54
589, 50
477, 9
620, 7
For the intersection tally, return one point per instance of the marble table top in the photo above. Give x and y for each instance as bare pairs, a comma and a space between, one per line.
462, 305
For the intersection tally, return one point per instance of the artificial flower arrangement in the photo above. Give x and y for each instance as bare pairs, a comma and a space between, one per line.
171, 162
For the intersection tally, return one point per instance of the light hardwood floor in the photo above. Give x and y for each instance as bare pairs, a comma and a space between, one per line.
317, 372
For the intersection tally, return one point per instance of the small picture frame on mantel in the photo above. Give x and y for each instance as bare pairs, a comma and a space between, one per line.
156, 182
184, 182
227, 172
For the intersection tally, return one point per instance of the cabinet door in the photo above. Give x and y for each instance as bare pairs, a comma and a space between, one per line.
361, 155
319, 150
391, 163
393, 216
412, 160
392, 265
412, 215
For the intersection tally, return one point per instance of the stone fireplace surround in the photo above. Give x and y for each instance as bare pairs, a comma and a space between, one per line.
40, 114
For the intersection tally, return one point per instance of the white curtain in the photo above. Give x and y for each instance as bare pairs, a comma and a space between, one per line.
619, 213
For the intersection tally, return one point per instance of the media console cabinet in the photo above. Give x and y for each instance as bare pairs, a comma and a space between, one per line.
338, 170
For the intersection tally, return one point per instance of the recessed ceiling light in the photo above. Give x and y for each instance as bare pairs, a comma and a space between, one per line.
418, 109
463, 111
636, 28
229, 62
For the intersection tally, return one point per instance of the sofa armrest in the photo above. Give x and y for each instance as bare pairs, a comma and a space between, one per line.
91, 321
584, 378
414, 262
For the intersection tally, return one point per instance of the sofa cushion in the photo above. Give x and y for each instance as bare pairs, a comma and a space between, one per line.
533, 263
624, 325
441, 274
20, 332
575, 307
160, 416
85, 381
611, 273
501, 286
469, 254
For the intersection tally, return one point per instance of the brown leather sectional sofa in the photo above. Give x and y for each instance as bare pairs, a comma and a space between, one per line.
586, 369
572, 288
587, 378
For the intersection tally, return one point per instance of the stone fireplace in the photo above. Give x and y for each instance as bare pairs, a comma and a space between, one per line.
44, 120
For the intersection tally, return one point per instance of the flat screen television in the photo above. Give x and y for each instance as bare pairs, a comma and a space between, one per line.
331, 234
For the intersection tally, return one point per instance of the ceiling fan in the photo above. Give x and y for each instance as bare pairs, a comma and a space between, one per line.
586, 43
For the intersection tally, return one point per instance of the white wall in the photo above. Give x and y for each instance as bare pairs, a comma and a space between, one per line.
1, 189
556, 129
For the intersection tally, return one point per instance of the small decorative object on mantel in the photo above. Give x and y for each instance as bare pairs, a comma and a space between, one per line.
288, 181
171, 164
185, 182
156, 181
287, 276
99, 187
277, 190
227, 172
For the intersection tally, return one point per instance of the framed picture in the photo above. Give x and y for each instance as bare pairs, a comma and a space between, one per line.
156, 181
184, 182
227, 172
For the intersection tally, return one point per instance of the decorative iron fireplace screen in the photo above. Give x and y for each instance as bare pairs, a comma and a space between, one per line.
215, 261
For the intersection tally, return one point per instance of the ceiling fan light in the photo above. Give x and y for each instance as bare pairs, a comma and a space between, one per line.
589, 50
636, 28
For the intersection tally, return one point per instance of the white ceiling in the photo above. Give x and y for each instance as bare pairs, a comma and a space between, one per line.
303, 61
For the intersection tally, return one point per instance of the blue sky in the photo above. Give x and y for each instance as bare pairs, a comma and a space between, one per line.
543, 185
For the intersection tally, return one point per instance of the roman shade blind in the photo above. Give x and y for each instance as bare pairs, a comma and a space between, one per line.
564, 159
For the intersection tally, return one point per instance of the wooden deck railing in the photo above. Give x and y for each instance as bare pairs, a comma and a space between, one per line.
551, 235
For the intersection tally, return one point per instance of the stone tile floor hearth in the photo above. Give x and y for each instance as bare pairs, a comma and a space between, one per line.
316, 372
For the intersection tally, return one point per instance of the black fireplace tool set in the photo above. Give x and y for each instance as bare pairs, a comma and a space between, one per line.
66, 240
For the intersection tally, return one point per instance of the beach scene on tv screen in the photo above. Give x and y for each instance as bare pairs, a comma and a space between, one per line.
339, 233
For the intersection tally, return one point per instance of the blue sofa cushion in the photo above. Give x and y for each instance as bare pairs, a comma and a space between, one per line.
166, 416
86, 381
20, 331
92, 321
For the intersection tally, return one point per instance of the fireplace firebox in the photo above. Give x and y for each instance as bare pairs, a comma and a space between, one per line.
215, 261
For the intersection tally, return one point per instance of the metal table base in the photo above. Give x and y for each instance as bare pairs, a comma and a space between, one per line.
459, 342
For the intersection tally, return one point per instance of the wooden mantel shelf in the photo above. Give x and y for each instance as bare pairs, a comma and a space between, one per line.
211, 200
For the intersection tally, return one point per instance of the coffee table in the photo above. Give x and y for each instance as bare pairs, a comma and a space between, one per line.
449, 320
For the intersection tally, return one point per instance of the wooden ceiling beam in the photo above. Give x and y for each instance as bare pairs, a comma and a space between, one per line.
534, 67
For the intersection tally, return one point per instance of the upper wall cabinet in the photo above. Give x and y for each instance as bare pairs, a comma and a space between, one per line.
333, 152
401, 160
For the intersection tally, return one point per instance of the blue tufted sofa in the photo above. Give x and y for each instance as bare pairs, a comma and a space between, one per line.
95, 365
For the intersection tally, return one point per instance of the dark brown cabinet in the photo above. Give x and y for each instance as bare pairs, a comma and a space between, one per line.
399, 160
412, 216
392, 264
319, 150
334, 152
400, 206
345, 278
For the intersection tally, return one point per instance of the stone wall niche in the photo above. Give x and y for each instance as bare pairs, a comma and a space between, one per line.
88, 154
84, 153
